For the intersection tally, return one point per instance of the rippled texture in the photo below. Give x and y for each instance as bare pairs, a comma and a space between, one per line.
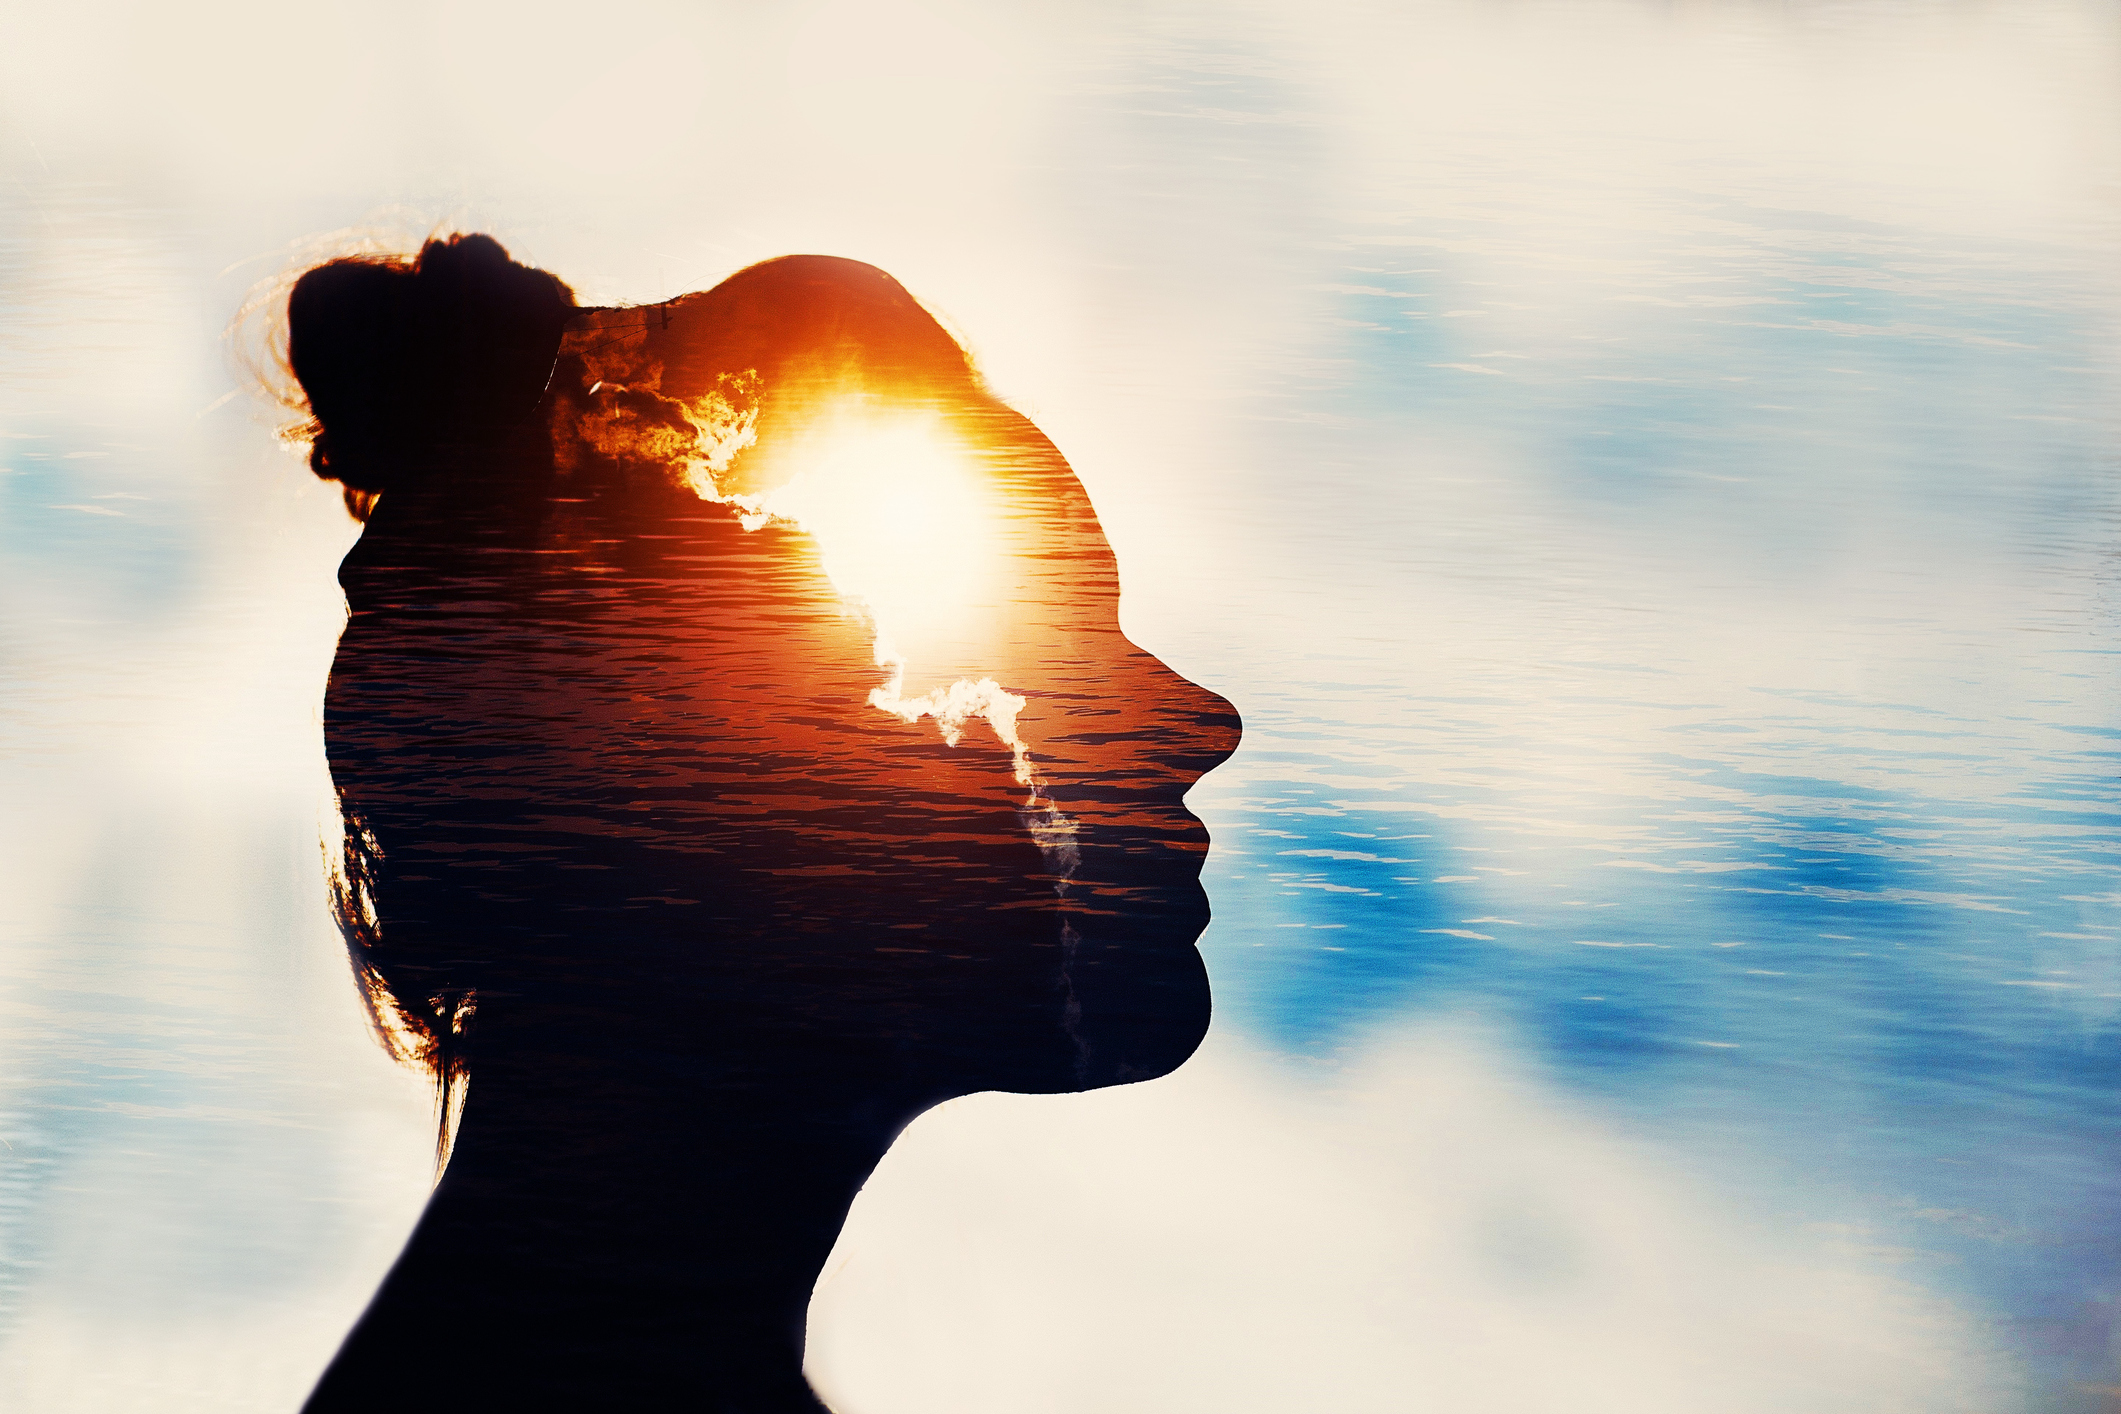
1606, 442
644, 857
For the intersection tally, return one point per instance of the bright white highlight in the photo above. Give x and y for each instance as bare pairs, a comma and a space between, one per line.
907, 528
897, 507
954, 706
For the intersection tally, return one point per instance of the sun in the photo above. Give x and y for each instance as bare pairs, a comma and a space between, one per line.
908, 525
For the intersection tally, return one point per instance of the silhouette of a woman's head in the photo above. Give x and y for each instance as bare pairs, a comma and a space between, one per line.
738, 753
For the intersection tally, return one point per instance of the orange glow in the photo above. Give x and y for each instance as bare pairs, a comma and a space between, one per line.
907, 528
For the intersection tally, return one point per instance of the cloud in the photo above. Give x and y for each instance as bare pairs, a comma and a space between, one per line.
1437, 1232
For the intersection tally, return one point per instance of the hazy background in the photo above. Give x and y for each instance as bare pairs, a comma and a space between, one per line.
1645, 471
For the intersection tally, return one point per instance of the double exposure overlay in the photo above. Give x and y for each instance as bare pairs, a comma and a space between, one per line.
1644, 474
738, 754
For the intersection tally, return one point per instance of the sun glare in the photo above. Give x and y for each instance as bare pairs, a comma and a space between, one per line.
900, 514
908, 529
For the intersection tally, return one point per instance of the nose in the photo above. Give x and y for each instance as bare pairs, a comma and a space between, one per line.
1196, 729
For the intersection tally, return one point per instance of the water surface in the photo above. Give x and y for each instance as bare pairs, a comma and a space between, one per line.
1646, 476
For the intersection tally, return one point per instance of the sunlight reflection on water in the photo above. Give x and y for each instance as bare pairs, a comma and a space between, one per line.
1645, 474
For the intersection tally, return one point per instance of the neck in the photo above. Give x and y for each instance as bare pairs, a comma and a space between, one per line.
609, 1237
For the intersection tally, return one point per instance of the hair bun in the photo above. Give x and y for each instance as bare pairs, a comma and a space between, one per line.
397, 357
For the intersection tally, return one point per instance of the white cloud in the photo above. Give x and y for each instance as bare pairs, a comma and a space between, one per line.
1438, 1232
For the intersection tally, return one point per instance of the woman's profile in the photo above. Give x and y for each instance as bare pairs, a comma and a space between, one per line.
738, 754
